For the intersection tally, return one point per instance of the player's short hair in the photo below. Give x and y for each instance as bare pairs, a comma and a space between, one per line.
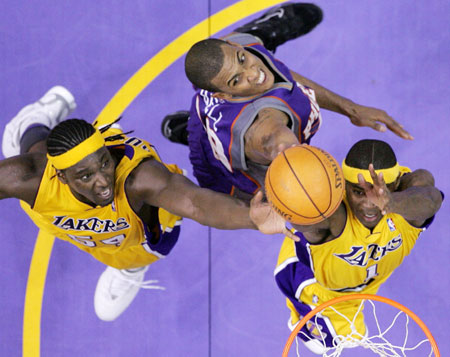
68, 134
369, 151
203, 62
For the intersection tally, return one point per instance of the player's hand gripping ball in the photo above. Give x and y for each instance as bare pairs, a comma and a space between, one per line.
304, 184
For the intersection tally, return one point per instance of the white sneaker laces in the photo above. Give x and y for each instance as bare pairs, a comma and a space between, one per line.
147, 284
123, 281
127, 278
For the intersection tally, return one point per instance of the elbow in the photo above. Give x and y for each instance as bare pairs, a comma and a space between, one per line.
423, 178
430, 203
436, 199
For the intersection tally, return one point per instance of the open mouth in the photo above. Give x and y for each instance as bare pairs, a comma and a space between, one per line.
370, 217
105, 194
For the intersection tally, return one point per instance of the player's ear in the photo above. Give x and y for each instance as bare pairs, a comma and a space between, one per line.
222, 95
61, 176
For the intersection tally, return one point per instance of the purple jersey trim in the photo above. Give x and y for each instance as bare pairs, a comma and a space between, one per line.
166, 240
129, 151
291, 277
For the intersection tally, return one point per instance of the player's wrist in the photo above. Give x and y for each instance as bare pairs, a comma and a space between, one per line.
349, 108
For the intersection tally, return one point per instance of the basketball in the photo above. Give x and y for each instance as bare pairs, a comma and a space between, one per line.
304, 184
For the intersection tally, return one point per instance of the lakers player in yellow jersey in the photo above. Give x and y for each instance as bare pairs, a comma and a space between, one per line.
384, 210
108, 194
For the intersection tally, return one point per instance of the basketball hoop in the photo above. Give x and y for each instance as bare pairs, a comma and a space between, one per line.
377, 342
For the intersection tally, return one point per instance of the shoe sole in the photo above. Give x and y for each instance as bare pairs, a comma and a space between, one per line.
8, 148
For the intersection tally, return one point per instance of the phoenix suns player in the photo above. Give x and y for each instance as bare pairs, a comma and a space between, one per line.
248, 103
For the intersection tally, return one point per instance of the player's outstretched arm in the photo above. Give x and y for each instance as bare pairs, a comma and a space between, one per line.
416, 198
21, 176
158, 187
268, 136
359, 115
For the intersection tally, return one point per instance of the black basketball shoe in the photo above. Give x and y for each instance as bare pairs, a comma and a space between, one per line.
174, 127
284, 23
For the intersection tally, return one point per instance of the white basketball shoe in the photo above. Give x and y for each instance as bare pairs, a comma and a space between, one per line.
315, 346
116, 289
50, 110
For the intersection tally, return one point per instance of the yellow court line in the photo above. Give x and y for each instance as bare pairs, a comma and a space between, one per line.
33, 296
173, 51
113, 109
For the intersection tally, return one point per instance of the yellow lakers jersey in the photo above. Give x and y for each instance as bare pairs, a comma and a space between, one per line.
99, 230
359, 259
362, 259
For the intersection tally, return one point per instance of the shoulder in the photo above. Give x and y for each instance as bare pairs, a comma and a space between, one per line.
22, 175
146, 178
327, 230
419, 177
25, 167
266, 123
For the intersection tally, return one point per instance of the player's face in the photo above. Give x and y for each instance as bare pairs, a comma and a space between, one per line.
92, 179
243, 74
366, 212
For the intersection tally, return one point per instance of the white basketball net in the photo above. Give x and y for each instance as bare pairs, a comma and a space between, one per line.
377, 343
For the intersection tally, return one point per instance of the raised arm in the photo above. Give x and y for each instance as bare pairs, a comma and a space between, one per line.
359, 115
156, 186
20, 176
268, 136
416, 198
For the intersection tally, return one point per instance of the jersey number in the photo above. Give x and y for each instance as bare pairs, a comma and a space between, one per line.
315, 111
216, 146
372, 272
86, 240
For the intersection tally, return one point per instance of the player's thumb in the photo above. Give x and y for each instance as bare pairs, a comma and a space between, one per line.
257, 198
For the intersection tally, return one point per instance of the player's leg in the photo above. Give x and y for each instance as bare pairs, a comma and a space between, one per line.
343, 321
283, 23
124, 277
296, 280
28, 130
313, 333
116, 290
293, 274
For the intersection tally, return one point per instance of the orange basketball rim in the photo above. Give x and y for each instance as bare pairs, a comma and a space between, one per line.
382, 299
